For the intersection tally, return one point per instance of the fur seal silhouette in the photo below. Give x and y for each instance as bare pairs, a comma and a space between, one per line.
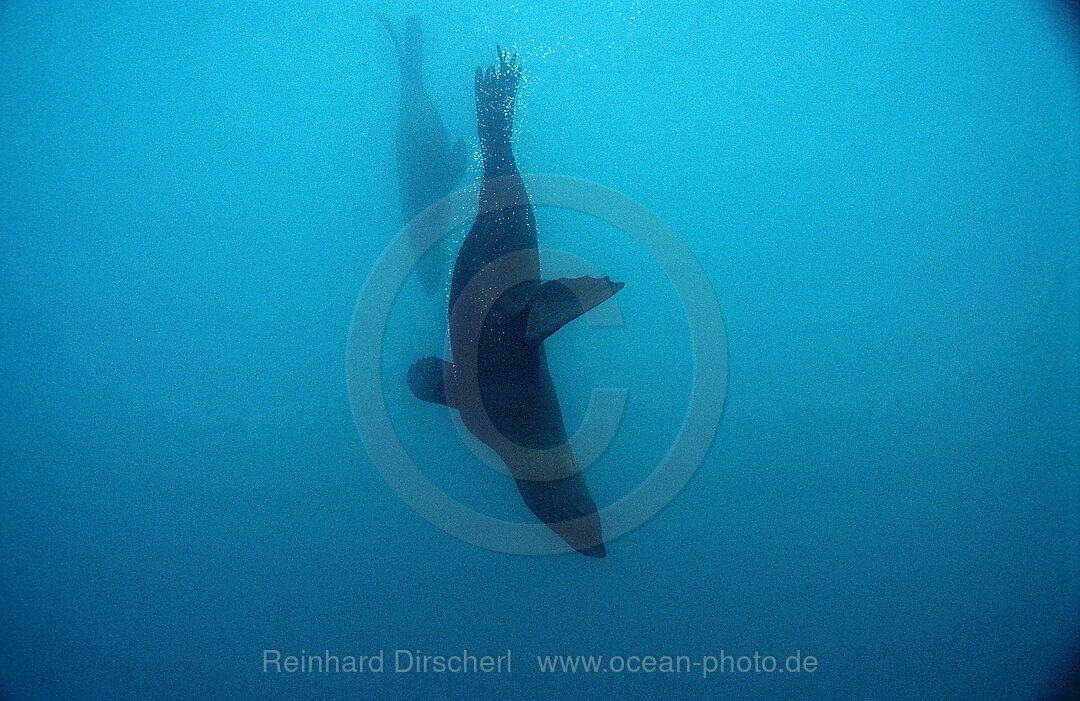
500, 314
428, 166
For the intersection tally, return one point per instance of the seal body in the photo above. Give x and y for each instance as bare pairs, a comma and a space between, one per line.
500, 312
428, 166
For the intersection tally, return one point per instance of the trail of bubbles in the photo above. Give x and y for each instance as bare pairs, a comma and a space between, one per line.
611, 23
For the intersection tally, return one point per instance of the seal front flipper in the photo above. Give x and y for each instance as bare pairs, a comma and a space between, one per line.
558, 302
428, 377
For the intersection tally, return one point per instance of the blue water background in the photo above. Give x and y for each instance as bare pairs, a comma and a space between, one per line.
884, 197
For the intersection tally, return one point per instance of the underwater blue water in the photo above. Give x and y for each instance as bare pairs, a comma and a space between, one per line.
884, 197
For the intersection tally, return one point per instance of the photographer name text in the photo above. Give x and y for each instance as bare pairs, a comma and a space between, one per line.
399, 661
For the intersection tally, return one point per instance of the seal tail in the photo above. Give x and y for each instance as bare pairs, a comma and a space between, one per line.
410, 47
496, 91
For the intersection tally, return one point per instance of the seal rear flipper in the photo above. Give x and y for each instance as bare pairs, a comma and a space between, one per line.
558, 302
496, 92
427, 379
457, 163
410, 48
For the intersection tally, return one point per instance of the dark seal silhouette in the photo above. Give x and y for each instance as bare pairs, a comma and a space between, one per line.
428, 166
500, 314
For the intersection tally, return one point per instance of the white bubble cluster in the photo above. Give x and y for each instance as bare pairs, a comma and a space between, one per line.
587, 33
